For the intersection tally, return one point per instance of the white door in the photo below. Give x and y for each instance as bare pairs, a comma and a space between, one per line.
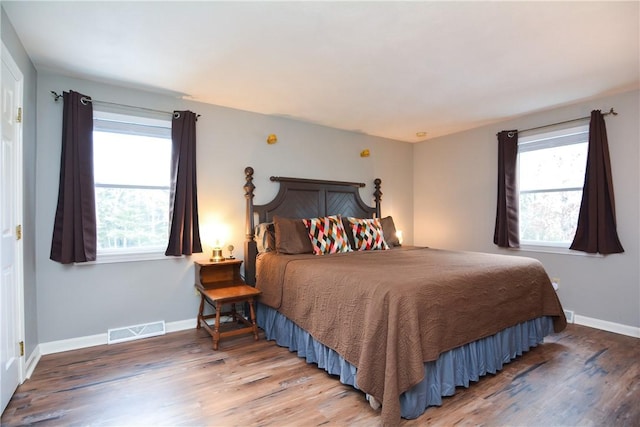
11, 286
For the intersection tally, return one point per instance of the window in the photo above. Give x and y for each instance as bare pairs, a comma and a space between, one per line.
132, 170
551, 169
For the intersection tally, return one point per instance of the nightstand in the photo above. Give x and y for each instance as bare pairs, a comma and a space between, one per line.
220, 283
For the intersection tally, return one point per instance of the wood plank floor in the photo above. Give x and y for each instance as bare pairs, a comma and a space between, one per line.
580, 377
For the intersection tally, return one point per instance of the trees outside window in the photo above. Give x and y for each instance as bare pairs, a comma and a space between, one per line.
551, 168
132, 164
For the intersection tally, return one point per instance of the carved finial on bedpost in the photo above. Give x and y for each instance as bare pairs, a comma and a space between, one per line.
248, 194
250, 248
378, 195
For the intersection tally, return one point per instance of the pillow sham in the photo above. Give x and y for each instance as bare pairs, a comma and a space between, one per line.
265, 237
347, 228
291, 236
327, 235
389, 230
368, 234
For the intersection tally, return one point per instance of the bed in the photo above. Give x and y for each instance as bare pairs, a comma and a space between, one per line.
405, 325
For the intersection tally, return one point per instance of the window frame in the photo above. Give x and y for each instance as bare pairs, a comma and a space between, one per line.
132, 124
544, 140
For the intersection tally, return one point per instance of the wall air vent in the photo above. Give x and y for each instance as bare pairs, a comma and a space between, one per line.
136, 332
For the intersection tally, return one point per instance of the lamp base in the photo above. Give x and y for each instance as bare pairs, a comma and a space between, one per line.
216, 256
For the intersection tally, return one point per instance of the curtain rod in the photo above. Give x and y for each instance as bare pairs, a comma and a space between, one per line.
579, 119
86, 99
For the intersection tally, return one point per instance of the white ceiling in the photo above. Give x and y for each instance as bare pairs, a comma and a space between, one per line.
387, 68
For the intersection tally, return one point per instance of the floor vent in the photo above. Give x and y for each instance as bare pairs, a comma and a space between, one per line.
136, 332
569, 315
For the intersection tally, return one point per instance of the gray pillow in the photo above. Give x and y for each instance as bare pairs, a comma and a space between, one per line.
265, 237
389, 231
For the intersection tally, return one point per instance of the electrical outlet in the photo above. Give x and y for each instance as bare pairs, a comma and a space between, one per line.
197, 292
555, 281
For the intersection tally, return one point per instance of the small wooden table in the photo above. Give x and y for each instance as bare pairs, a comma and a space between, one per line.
220, 283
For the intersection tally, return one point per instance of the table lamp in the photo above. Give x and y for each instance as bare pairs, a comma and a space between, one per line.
216, 252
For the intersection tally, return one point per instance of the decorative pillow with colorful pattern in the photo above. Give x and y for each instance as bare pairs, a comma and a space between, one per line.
327, 235
367, 234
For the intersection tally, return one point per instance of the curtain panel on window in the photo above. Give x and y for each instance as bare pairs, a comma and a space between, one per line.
596, 231
74, 229
184, 234
507, 233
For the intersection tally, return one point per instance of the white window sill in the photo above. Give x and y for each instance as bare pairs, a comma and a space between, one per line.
560, 250
110, 258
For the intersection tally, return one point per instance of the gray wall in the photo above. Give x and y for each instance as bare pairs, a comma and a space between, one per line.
77, 301
455, 203
19, 55
440, 192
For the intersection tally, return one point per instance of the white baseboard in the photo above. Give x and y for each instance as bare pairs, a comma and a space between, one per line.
181, 325
100, 339
605, 325
32, 362
72, 344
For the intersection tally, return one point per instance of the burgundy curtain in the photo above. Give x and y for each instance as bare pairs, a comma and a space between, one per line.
596, 232
74, 229
184, 235
507, 234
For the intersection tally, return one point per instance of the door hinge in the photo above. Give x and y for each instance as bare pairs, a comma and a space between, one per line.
18, 232
19, 117
21, 348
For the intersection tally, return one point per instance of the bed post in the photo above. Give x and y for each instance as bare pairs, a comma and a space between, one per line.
250, 248
377, 195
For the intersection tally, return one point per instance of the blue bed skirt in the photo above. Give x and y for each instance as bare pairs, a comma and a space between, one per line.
453, 368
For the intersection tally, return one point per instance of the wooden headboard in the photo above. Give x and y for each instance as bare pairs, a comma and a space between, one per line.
302, 198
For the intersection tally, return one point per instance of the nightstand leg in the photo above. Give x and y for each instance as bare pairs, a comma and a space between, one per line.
216, 327
253, 320
200, 311
234, 314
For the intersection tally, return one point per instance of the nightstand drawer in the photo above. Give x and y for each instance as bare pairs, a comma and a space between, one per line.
218, 274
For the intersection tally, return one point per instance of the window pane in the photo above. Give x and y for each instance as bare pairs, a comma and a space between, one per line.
549, 216
131, 159
132, 218
132, 170
553, 168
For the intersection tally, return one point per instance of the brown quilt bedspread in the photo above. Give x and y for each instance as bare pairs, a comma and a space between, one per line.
388, 312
